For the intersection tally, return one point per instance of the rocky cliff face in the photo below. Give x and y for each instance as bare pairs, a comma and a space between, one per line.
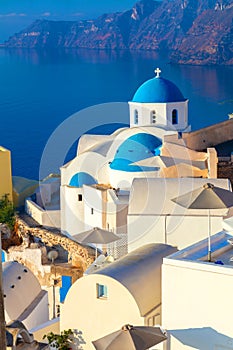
192, 31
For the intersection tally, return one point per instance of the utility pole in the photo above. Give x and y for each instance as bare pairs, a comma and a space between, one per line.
2, 312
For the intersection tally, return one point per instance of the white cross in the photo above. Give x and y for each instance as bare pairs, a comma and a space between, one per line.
157, 72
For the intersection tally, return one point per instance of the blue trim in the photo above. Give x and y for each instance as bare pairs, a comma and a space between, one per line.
66, 284
82, 178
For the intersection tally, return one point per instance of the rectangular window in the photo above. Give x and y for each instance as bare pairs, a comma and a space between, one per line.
80, 198
102, 291
92, 211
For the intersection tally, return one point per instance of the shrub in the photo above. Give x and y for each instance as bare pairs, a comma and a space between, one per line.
61, 341
7, 212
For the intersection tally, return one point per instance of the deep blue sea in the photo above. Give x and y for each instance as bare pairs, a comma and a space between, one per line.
39, 90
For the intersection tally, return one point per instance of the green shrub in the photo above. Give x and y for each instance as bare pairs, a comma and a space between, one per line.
61, 341
7, 212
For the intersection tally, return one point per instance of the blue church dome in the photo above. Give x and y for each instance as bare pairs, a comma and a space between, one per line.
82, 178
158, 90
135, 148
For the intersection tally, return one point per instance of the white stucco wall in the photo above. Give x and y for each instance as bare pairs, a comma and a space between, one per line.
144, 113
94, 318
88, 162
182, 109
93, 207
72, 210
198, 312
180, 231
163, 114
151, 204
124, 179
50, 218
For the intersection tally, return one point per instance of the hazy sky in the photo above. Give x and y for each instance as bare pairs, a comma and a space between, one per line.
17, 14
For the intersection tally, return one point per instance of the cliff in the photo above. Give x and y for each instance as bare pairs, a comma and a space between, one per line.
191, 31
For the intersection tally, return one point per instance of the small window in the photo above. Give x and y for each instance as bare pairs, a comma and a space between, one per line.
80, 197
153, 117
92, 211
136, 116
174, 116
102, 291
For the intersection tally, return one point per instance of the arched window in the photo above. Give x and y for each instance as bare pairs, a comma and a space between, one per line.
174, 116
136, 116
153, 117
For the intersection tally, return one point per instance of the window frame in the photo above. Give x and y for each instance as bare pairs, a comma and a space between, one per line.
175, 116
136, 117
101, 291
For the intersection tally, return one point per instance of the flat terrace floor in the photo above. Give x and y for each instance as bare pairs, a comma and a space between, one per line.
225, 171
224, 149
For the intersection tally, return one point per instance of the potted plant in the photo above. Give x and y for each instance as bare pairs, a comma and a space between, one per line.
61, 341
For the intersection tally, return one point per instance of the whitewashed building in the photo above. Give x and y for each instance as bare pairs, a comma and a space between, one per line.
128, 291
198, 312
96, 186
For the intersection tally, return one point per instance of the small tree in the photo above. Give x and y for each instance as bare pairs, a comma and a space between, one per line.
7, 212
61, 341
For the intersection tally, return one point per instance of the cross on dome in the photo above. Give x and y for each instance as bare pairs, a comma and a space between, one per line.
157, 72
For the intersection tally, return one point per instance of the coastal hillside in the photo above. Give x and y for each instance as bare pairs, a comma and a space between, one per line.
191, 31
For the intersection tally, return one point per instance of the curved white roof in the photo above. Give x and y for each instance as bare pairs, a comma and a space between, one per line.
140, 272
21, 288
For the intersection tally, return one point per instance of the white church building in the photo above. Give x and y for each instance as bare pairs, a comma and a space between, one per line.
98, 185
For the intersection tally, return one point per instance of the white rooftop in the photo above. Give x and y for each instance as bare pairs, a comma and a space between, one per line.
221, 251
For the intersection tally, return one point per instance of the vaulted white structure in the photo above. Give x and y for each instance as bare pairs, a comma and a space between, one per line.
24, 300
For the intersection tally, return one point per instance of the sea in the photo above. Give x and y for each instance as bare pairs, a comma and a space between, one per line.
39, 90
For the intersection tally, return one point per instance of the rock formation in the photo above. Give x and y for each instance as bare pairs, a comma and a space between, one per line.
191, 31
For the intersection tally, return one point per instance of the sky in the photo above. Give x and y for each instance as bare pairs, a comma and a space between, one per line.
15, 15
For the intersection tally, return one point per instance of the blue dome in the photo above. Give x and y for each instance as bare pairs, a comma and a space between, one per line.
133, 149
158, 90
80, 179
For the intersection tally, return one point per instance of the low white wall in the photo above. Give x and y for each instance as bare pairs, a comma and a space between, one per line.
50, 218
180, 231
198, 312
45, 328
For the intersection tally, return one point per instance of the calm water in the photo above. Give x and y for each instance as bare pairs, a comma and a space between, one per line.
39, 90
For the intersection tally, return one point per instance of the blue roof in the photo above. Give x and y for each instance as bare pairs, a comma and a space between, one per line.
82, 178
137, 147
158, 90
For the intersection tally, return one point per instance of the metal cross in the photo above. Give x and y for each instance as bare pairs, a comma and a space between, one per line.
157, 72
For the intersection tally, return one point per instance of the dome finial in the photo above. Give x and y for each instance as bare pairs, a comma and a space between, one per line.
157, 72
